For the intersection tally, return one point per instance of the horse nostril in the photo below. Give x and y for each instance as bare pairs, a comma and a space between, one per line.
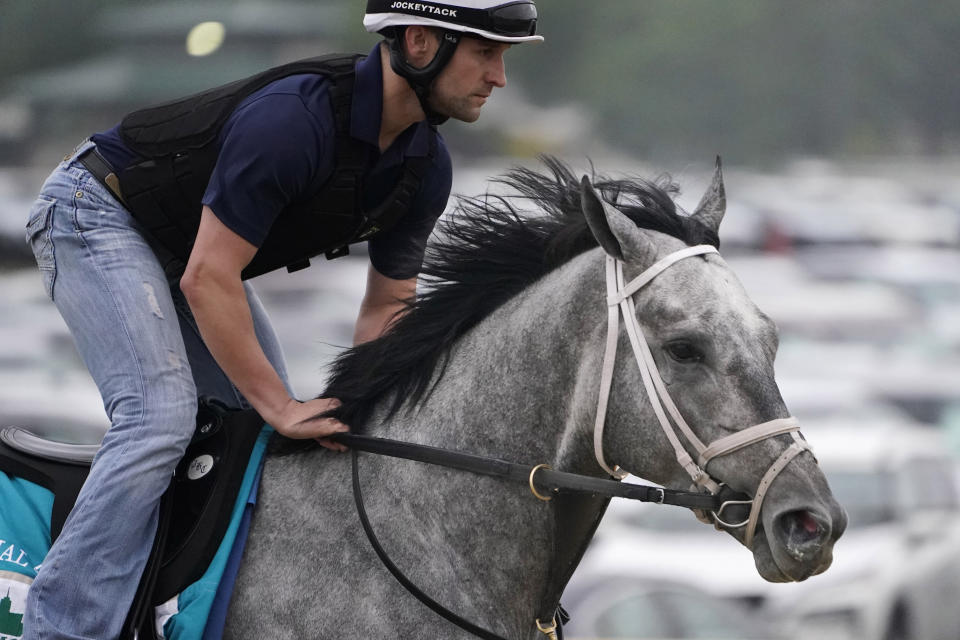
808, 523
801, 533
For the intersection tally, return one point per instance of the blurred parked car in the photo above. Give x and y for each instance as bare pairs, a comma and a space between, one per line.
623, 607
896, 571
803, 305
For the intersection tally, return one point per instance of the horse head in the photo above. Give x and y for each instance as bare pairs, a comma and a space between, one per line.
705, 372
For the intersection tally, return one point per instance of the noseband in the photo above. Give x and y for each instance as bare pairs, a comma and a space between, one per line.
620, 300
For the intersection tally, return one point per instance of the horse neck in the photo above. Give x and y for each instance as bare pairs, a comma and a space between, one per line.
518, 387
520, 384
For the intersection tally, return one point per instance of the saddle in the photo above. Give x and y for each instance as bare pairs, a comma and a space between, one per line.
195, 511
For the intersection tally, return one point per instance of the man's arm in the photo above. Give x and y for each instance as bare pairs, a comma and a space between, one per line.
214, 290
383, 300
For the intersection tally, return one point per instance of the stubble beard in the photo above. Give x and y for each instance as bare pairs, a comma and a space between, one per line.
458, 108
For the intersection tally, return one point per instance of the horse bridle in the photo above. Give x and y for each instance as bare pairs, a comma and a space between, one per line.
620, 301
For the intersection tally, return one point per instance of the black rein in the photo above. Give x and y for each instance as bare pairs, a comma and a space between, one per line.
545, 480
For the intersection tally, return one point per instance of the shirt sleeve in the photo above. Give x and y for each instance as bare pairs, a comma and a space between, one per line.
273, 154
398, 252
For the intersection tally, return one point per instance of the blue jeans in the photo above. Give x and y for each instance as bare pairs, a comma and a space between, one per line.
138, 338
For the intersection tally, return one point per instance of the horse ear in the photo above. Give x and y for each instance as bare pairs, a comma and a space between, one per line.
714, 202
617, 234
600, 215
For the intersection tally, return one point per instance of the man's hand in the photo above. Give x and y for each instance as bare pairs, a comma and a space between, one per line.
298, 420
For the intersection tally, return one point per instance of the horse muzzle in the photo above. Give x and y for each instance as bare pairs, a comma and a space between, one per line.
795, 541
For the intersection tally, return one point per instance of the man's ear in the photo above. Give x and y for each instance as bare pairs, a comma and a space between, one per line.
419, 44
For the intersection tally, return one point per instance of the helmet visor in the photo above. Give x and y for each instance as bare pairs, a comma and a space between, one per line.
515, 19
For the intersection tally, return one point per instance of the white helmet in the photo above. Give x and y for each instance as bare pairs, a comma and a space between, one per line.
493, 19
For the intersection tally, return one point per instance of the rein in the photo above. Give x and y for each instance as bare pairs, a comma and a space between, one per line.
541, 479
543, 482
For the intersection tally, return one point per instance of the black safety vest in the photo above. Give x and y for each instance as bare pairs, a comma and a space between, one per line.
178, 143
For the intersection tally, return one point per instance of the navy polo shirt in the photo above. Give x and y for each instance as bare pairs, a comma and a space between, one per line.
277, 149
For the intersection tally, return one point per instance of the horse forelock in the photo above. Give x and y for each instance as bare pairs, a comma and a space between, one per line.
487, 251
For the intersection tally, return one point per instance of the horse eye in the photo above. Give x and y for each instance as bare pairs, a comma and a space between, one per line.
684, 352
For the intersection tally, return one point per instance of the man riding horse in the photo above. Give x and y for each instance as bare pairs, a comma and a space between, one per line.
146, 233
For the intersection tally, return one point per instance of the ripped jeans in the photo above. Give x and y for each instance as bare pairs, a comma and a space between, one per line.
138, 338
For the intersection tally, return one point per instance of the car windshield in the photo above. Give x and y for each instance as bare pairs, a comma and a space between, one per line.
675, 614
867, 496
709, 618
636, 616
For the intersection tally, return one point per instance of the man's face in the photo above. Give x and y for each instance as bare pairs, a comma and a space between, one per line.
464, 85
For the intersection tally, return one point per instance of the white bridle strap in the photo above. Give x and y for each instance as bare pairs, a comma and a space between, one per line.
616, 297
664, 396
606, 376
746, 437
798, 447
653, 385
656, 269
620, 300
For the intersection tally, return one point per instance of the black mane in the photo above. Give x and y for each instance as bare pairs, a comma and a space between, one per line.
485, 253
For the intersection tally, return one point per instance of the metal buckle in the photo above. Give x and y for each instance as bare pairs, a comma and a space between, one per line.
533, 489
724, 505
549, 630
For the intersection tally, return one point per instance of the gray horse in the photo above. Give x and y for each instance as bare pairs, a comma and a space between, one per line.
502, 356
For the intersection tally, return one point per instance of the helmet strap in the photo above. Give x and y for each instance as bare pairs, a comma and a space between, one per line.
421, 79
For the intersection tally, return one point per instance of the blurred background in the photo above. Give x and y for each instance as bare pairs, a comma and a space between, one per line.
839, 131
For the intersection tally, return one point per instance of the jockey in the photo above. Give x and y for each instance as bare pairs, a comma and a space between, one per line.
147, 233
